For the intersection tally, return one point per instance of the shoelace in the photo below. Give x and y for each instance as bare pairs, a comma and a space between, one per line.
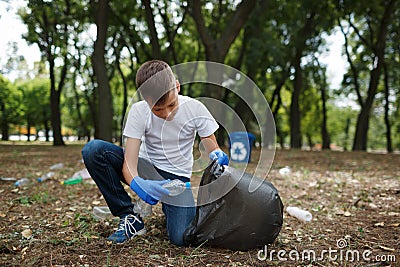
127, 226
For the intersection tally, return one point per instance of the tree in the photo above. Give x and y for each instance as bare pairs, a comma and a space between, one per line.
320, 78
369, 30
292, 35
10, 109
218, 40
105, 107
318, 18
35, 104
49, 27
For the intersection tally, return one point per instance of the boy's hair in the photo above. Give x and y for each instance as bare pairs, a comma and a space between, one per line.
155, 80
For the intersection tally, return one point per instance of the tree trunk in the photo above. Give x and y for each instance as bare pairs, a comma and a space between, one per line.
389, 146
324, 131
300, 43
46, 128
28, 128
55, 106
346, 134
82, 123
310, 141
361, 135
4, 123
353, 68
295, 133
155, 44
105, 111
276, 96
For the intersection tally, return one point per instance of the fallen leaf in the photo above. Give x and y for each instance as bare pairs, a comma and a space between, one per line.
2, 215
347, 214
155, 256
387, 249
27, 233
379, 224
339, 212
312, 184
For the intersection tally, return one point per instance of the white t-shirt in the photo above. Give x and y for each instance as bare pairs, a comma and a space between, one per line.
169, 144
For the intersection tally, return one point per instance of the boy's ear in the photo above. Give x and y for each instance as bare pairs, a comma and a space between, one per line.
178, 86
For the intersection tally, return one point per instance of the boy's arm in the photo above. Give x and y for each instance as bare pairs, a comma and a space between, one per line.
209, 143
129, 169
213, 150
149, 190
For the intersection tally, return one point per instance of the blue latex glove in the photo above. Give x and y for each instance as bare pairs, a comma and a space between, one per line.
220, 156
149, 190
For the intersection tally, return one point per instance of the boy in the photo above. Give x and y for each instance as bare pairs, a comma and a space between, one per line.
161, 129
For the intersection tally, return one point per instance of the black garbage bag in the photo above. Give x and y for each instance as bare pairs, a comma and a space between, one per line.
239, 220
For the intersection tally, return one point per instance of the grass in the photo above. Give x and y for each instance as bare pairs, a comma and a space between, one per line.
352, 196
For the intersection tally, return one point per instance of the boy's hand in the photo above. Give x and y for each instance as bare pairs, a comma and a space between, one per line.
148, 190
220, 156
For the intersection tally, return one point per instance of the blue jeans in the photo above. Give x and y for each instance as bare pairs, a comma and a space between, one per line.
104, 162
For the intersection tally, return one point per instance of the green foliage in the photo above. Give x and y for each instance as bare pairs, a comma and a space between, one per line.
35, 101
339, 117
10, 106
38, 198
264, 49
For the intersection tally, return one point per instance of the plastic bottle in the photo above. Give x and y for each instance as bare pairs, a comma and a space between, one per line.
217, 170
285, 171
8, 179
300, 214
45, 176
142, 208
102, 213
22, 181
73, 180
175, 187
57, 166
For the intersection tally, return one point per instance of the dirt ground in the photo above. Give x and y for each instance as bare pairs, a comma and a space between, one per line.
354, 199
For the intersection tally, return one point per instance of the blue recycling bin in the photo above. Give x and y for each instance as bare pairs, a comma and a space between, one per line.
240, 144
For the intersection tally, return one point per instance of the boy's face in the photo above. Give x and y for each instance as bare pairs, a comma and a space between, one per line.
169, 108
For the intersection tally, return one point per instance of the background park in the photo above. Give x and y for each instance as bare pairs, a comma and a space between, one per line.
339, 137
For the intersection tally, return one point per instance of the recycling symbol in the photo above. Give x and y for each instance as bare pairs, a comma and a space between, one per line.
238, 151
